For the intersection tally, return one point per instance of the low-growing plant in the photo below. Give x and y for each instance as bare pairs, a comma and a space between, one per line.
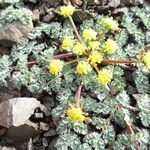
91, 63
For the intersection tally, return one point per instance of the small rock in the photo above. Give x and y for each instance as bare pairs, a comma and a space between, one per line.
137, 96
146, 3
79, 16
53, 3
35, 15
147, 35
45, 142
39, 115
48, 101
7, 92
7, 148
46, 111
2, 131
16, 111
52, 144
113, 3
102, 9
93, 2
14, 32
77, 2
103, 2
37, 139
44, 126
118, 11
51, 132
30, 145
47, 18
22, 133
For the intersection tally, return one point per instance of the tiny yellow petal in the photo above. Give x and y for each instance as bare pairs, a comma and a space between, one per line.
89, 34
94, 45
75, 114
67, 43
79, 48
109, 23
110, 46
67, 11
146, 59
55, 67
104, 77
95, 57
83, 67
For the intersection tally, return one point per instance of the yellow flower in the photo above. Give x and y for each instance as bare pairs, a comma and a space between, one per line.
67, 43
79, 48
75, 114
146, 59
55, 66
110, 46
104, 77
66, 11
94, 45
109, 23
83, 67
89, 34
95, 57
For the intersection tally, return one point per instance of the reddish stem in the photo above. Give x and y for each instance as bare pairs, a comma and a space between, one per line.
75, 29
130, 129
31, 63
132, 132
78, 95
107, 61
61, 56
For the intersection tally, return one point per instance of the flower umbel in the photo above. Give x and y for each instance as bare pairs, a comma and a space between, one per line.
79, 48
66, 11
95, 57
146, 59
55, 66
89, 34
94, 45
75, 114
110, 23
83, 67
104, 76
67, 43
110, 46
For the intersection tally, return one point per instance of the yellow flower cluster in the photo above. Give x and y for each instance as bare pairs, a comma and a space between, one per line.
79, 48
75, 114
94, 45
110, 46
95, 57
66, 11
55, 67
104, 77
67, 43
89, 34
146, 59
109, 23
83, 67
